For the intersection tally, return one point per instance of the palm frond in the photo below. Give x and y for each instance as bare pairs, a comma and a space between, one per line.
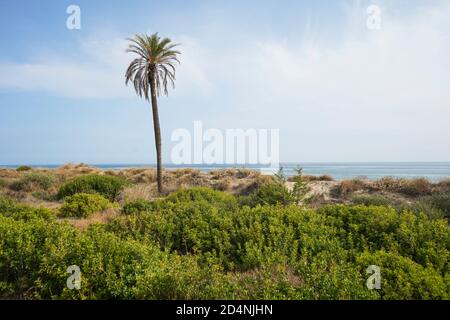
155, 61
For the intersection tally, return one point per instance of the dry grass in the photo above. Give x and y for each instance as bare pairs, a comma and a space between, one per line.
70, 171
230, 180
139, 191
103, 217
9, 174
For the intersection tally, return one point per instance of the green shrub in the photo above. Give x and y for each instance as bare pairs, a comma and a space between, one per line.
425, 241
107, 186
81, 205
24, 168
10, 208
402, 278
202, 194
427, 208
3, 183
33, 181
270, 193
188, 221
439, 201
22, 248
372, 200
273, 192
136, 206
301, 187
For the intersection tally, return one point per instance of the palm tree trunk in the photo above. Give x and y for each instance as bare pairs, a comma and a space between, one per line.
157, 130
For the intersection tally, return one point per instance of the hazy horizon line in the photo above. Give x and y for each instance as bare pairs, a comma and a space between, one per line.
223, 164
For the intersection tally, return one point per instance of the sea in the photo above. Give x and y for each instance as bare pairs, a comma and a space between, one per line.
434, 171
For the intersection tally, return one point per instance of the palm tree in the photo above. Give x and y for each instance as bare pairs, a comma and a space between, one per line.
150, 74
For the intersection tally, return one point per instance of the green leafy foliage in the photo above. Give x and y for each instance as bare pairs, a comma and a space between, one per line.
402, 278
137, 206
82, 205
200, 244
34, 258
270, 193
107, 186
427, 208
10, 208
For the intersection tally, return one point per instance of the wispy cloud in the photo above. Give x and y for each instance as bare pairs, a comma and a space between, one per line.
98, 72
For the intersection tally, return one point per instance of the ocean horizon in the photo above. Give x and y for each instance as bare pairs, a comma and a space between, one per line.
434, 171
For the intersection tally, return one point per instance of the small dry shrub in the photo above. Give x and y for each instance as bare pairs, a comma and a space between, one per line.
409, 187
347, 187
417, 187
444, 184
223, 184
310, 178
243, 173
35, 181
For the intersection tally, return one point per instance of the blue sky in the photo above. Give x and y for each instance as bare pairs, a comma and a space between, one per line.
336, 90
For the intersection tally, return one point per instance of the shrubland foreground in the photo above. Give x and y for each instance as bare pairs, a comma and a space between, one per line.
261, 238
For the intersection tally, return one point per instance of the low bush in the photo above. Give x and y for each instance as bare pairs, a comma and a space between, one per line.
3, 183
32, 182
10, 208
137, 206
81, 205
203, 195
417, 187
427, 208
271, 193
445, 183
372, 200
439, 201
24, 168
275, 192
107, 186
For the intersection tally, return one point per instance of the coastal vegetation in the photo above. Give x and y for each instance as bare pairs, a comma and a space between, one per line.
226, 234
